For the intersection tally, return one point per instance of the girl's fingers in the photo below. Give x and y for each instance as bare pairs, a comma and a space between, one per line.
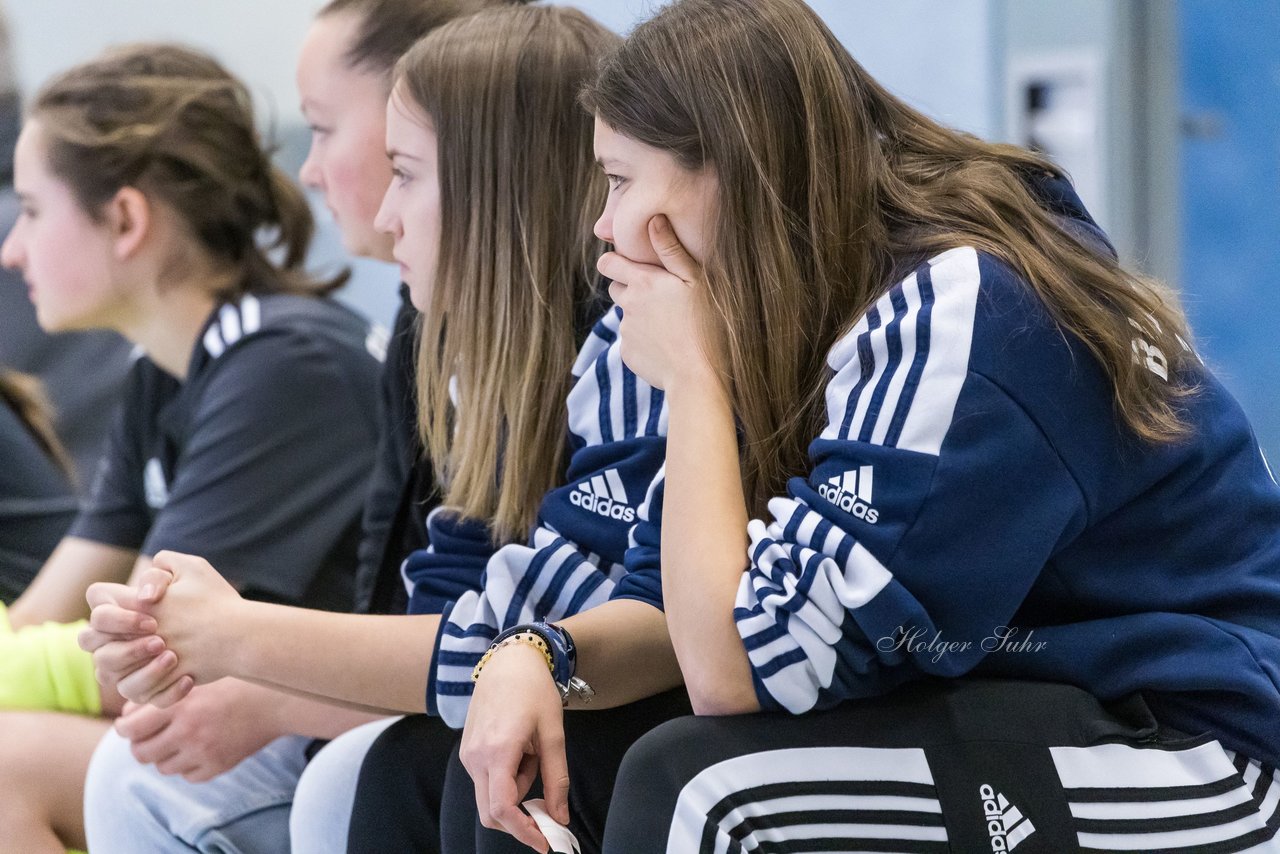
111, 619
150, 679
153, 583
675, 258
625, 271
116, 660
175, 692
555, 775
504, 807
142, 723
101, 592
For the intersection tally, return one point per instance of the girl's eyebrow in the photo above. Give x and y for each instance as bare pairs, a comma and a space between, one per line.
392, 154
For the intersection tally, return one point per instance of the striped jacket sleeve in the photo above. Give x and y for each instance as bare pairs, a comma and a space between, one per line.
450, 566
932, 504
574, 559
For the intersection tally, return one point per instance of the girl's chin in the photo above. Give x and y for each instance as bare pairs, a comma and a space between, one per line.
419, 295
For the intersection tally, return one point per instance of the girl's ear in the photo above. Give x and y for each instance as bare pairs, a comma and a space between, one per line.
128, 215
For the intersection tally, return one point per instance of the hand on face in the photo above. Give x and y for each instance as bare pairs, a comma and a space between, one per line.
662, 340
139, 636
514, 733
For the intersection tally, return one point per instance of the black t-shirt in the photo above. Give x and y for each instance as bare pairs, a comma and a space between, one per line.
36, 504
403, 488
259, 460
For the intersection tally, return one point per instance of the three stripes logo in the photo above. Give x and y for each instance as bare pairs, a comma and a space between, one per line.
851, 492
604, 495
1005, 823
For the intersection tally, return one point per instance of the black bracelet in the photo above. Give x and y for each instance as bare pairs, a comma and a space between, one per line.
564, 657
563, 653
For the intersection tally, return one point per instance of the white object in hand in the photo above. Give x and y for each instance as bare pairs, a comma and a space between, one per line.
562, 841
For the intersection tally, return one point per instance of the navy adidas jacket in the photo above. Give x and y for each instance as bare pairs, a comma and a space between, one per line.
573, 559
974, 506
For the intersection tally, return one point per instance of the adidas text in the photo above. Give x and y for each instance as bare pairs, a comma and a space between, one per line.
1006, 825
849, 503
604, 506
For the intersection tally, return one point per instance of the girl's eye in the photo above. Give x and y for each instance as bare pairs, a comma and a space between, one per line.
316, 130
615, 181
399, 174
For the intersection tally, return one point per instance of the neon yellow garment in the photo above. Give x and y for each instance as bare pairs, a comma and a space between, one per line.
43, 669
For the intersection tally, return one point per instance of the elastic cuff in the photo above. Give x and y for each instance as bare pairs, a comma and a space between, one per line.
432, 708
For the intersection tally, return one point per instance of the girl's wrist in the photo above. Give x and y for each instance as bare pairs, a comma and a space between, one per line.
232, 644
523, 660
695, 383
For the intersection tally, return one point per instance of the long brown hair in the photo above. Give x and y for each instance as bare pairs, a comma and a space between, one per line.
175, 124
830, 189
518, 195
25, 396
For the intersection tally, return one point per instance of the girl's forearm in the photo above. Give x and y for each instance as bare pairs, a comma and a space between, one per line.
369, 661
624, 653
56, 594
704, 546
315, 717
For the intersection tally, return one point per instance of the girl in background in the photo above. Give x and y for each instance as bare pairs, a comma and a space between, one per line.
37, 501
147, 161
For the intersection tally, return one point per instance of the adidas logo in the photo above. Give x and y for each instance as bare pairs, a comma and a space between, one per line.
1005, 823
851, 492
605, 495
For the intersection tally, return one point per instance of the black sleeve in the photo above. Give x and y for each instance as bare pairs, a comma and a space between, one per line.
36, 505
116, 512
273, 474
397, 450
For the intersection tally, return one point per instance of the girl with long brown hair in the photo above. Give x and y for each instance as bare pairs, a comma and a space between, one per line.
147, 162
942, 521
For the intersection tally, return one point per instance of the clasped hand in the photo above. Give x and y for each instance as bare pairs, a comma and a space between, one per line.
154, 641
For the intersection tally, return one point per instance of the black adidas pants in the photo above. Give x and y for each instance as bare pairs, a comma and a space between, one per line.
961, 767
414, 796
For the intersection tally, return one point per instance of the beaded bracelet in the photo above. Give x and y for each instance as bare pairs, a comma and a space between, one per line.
532, 639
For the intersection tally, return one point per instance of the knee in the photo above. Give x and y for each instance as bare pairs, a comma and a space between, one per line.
323, 789
650, 780
24, 785
18, 806
24, 756
660, 753
323, 800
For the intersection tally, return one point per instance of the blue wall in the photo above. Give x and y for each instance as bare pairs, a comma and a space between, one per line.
1230, 177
